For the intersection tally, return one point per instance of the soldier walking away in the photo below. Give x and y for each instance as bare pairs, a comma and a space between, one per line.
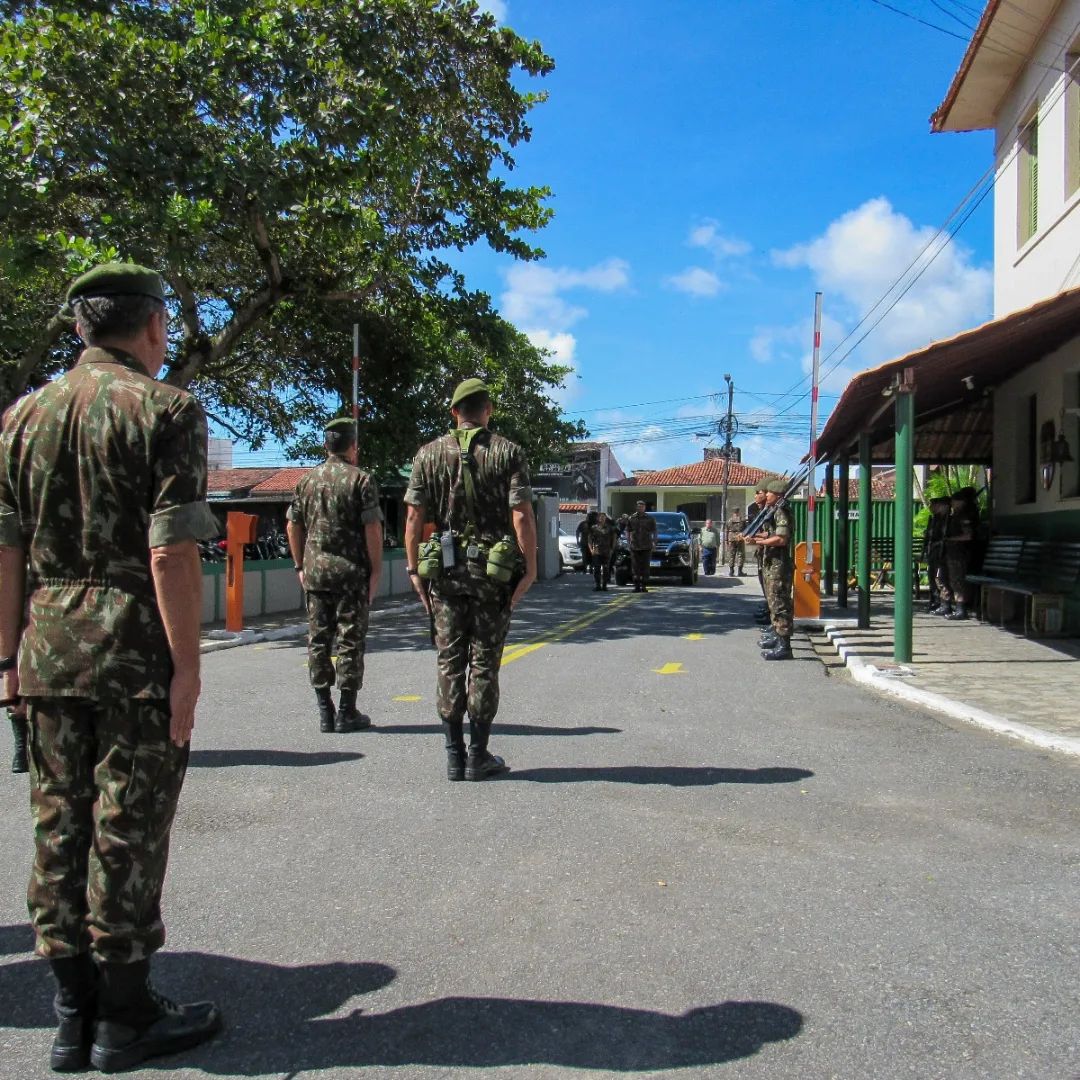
960, 535
641, 539
474, 486
778, 569
736, 544
582, 536
937, 578
335, 537
710, 547
102, 503
602, 543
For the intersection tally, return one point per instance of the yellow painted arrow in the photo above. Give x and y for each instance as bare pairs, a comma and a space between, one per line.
670, 669
694, 637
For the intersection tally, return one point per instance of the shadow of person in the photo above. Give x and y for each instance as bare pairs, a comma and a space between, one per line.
671, 775
500, 729
273, 1023
16, 939
221, 759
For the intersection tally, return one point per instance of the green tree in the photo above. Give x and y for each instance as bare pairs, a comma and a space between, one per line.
290, 165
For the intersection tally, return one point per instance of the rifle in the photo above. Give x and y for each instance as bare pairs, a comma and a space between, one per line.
766, 513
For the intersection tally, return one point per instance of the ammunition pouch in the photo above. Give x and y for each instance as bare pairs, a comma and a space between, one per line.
429, 564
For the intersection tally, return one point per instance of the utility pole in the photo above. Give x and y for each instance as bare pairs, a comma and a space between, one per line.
728, 432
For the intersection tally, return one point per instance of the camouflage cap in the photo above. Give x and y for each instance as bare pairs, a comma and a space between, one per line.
117, 279
776, 487
467, 389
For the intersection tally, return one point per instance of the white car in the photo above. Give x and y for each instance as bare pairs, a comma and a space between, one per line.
569, 553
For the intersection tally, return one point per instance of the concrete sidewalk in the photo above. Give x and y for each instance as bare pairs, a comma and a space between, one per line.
971, 671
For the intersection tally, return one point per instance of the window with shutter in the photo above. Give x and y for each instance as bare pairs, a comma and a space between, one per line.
1072, 122
1028, 181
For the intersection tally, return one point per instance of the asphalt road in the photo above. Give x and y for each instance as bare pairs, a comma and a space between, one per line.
701, 865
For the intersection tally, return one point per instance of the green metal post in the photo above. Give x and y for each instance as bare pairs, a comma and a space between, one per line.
843, 533
866, 527
828, 532
905, 518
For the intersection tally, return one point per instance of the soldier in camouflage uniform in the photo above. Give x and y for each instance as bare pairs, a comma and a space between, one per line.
102, 501
736, 545
778, 568
640, 539
602, 542
335, 536
474, 486
752, 512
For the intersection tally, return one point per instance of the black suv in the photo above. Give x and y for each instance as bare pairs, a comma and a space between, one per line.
677, 552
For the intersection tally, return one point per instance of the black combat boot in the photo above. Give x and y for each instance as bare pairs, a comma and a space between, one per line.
349, 718
959, 614
767, 640
135, 1022
19, 761
945, 610
480, 764
75, 1005
780, 651
327, 716
454, 731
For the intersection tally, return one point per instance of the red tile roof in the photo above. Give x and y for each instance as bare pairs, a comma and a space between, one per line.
882, 487
699, 474
283, 481
236, 480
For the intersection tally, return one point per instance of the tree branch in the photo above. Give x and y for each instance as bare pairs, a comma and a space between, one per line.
32, 358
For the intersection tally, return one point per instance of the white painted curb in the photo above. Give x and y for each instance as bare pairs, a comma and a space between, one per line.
865, 672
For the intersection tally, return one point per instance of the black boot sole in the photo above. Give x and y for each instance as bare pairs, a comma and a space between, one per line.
455, 771
69, 1058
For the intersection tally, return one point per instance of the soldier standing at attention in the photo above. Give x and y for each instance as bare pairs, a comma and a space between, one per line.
602, 543
641, 538
959, 543
937, 576
102, 501
778, 569
736, 544
335, 538
474, 485
752, 512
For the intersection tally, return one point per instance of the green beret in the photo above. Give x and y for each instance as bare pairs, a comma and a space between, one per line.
467, 389
342, 423
117, 279
776, 487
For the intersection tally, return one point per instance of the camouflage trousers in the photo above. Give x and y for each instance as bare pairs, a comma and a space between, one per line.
471, 622
339, 618
778, 579
639, 565
105, 780
736, 553
954, 585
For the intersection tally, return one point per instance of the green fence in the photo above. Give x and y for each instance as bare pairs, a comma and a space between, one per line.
882, 523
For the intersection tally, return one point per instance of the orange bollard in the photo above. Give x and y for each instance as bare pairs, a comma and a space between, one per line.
807, 583
239, 530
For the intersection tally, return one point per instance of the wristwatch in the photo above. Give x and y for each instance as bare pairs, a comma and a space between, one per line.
412, 571
8, 663
298, 569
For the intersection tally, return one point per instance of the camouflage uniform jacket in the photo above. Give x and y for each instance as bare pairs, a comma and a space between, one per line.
602, 538
501, 483
99, 467
333, 502
779, 525
641, 532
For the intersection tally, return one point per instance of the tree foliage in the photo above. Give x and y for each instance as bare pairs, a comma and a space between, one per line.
291, 166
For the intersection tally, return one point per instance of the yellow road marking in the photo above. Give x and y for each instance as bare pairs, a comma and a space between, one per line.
694, 637
670, 669
409, 697
516, 652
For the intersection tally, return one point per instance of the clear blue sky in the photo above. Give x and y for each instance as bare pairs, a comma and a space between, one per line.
713, 163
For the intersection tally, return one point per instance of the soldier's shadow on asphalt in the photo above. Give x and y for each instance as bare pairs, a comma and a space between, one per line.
223, 759
277, 1022
666, 775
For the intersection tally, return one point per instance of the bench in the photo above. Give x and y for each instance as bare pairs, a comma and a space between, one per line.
882, 558
1041, 573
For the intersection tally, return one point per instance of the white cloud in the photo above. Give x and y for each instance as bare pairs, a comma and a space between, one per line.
499, 8
861, 255
696, 281
707, 235
644, 452
534, 301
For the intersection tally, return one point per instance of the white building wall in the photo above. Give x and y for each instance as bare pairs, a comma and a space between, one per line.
1055, 381
1049, 262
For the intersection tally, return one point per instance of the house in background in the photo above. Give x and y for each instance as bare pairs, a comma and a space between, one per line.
1020, 77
